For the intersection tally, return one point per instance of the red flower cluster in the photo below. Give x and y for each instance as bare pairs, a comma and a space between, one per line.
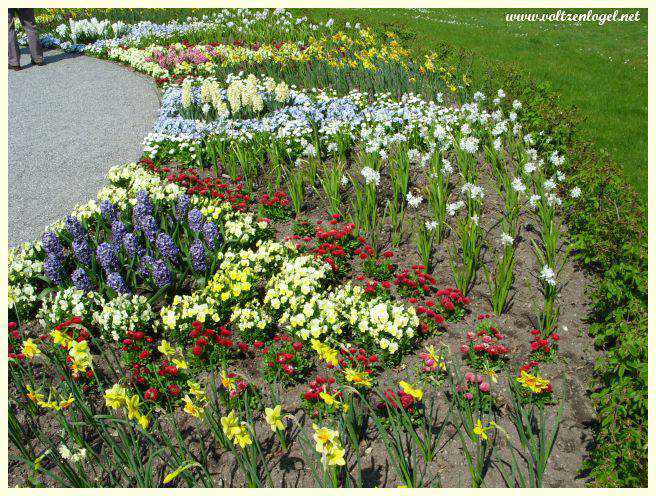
357, 358
484, 349
208, 343
415, 283
539, 345
406, 401
310, 399
284, 359
203, 186
453, 302
14, 343
275, 207
429, 317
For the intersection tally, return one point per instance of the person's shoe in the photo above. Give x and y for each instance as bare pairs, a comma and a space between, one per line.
14, 67
39, 63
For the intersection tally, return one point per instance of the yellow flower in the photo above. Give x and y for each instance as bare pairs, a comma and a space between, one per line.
30, 349
227, 382
195, 389
358, 378
143, 421
230, 425
416, 393
336, 456
132, 405
479, 430
534, 383
324, 438
181, 364
34, 395
192, 409
64, 404
166, 349
115, 397
273, 417
242, 437
60, 338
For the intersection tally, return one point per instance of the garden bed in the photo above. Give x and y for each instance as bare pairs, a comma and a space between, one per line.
271, 234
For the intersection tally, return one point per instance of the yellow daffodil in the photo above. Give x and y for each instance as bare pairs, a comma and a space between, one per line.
192, 409
273, 417
534, 383
132, 405
115, 397
324, 438
60, 338
357, 378
336, 456
242, 437
230, 425
181, 364
166, 349
416, 393
35, 396
227, 382
30, 349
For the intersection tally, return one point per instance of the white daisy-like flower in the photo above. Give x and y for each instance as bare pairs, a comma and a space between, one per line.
518, 185
548, 275
506, 239
413, 201
431, 225
575, 193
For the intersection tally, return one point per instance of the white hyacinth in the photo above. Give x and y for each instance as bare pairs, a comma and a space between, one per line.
548, 275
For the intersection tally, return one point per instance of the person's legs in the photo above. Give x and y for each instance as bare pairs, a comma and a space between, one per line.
26, 17
14, 51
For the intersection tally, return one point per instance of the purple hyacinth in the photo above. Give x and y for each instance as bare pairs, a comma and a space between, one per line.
167, 247
161, 273
106, 255
144, 200
74, 227
118, 231
53, 269
81, 280
132, 246
144, 265
116, 282
108, 211
83, 251
212, 236
196, 220
51, 245
182, 207
198, 256
149, 227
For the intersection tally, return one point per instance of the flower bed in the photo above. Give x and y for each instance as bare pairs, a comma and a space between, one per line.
280, 246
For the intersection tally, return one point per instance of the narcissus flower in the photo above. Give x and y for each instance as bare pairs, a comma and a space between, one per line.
416, 393
273, 417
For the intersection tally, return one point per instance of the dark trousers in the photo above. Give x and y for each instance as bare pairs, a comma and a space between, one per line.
26, 17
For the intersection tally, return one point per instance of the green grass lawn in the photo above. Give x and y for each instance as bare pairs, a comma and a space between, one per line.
602, 70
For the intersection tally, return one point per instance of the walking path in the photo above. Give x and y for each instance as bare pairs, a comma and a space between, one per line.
69, 122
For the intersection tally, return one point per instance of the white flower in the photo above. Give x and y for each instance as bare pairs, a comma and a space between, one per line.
370, 175
452, 208
413, 201
548, 275
501, 93
576, 192
518, 185
549, 184
533, 200
469, 144
506, 239
516, 104
431, 225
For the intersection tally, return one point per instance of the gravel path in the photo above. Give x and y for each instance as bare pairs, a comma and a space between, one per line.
69, 122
